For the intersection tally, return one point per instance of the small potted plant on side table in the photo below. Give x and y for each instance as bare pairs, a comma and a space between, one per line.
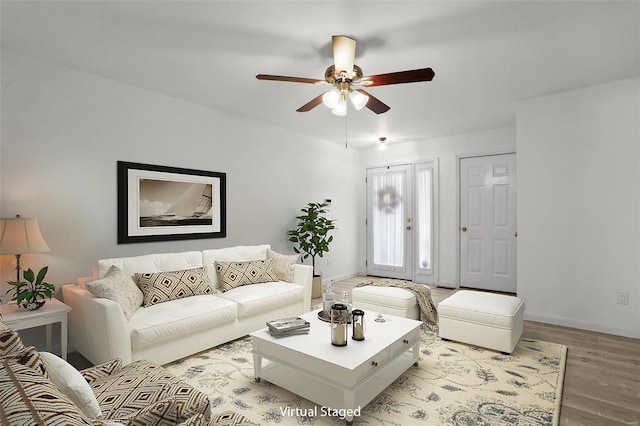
31, 294
312, 237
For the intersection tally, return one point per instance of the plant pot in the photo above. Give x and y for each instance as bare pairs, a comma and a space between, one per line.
316, 288
32, 305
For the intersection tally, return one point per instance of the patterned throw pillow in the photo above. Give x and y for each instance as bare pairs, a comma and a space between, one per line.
10, 340
29, 398
158, 287
101, 371
29, 357
236, 274
133, 387
283, 264
120, 288
195, 420
160, 413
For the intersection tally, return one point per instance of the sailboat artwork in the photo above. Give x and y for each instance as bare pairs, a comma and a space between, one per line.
171, 203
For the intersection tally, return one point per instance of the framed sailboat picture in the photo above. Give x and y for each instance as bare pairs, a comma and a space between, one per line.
159, 203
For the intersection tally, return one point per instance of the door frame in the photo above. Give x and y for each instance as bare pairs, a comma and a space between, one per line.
460, 157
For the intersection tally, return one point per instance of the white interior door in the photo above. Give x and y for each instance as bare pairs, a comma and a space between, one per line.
488, 222
389, 222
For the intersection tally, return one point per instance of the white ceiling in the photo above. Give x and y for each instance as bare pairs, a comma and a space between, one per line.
487, 55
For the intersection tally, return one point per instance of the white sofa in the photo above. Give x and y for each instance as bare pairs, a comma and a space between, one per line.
165, 332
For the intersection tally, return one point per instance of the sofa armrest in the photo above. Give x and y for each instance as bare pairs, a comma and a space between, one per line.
97, 326
303, 275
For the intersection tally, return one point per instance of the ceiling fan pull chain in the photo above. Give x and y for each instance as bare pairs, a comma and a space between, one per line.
345, 132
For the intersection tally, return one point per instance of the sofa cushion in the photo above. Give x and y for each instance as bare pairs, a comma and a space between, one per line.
115, 285
135, 386
30, 398
174, 318
10, 340
236, 274
231, 254
257, 298
70, 382
495, 310
158, 287
151, 263
283, 264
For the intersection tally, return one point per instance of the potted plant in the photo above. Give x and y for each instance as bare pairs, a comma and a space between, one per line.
312, 238
30, 294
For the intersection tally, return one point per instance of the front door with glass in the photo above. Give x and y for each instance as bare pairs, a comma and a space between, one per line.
389, 222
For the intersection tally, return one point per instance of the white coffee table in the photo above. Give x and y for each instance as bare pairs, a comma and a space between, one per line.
338, 378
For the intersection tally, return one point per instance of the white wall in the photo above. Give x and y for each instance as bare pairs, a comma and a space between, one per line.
578, 207
447, 150
63, 132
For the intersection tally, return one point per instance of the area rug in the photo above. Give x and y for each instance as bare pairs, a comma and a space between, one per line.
454, 384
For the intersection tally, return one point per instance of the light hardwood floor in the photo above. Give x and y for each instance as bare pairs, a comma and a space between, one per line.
602, 376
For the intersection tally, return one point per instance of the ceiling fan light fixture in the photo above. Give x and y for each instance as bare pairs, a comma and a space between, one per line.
331, 98
383, 143
340, 108
344, 73
359, 100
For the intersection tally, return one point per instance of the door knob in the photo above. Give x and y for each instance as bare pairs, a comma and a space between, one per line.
408, 228
516, 234
463, 229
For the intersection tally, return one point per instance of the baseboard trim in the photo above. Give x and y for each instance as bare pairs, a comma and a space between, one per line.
338, 278
582, 325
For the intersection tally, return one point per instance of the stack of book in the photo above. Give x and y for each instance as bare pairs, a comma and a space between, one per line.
288, 326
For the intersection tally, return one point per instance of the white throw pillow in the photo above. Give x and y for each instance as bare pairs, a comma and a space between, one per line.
116, 286
283, 264
70, 382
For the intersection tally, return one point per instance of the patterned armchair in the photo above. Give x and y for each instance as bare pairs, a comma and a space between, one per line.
40, 388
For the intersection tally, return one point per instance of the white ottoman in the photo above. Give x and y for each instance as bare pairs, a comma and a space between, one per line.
489, 320
387, 300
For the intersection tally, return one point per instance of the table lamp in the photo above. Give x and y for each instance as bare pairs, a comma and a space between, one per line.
20, 236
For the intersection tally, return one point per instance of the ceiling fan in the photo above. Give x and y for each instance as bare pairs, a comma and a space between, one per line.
345, 76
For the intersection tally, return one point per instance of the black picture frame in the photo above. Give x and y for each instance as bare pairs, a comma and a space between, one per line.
161, 203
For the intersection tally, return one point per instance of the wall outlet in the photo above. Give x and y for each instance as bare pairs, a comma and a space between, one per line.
623, 298
328, 261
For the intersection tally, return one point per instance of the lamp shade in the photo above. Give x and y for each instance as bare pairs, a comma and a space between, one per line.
358, 99
331, 98
21, 235
340, 108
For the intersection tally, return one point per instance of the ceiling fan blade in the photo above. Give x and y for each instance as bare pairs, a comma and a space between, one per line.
375, 104
311, 104
289, 79
410, 76
344, 53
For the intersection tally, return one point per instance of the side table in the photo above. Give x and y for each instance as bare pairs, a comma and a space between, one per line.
53, 311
